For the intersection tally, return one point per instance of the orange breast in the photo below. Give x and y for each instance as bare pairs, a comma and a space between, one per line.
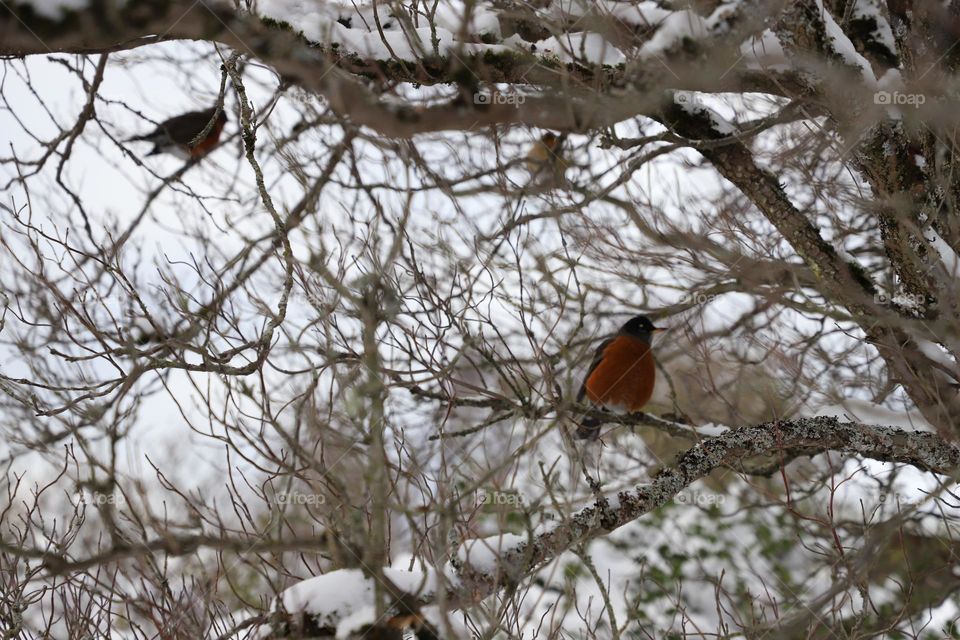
624, 377
207, 144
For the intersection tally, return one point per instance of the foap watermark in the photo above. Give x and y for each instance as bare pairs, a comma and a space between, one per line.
300, 499
500, 499
514, 99
875, 499
900, 300
102, 499
695, 298
898, 99
902, 499
700, 498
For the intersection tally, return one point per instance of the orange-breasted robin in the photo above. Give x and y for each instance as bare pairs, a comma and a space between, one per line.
175, 135
622, 374
545, 160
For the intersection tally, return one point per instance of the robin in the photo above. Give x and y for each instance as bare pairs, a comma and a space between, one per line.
408, 623
545, 160
176, 134
622, 374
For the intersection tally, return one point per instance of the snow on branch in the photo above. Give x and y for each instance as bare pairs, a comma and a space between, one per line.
333, 49
344, 598
341, 602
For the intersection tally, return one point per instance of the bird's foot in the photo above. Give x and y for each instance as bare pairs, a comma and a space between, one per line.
636, 417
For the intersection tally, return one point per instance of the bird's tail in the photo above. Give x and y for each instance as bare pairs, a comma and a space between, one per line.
150, 137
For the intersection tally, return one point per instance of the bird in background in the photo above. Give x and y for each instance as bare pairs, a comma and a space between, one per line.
175, 135
546, 162
622, 375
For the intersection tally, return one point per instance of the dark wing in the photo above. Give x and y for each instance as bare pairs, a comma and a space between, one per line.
597, 357
184, 128
179, 129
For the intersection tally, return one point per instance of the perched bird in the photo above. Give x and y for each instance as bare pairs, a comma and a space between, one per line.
622, 374
408, 622
545, 161
175, 135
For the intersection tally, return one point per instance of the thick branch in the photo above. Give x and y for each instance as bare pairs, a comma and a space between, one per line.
841, 280
515, 562
610, 94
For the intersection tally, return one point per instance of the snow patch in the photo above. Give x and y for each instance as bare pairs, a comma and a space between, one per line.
673, 29
483, 20
690, 102
356, 621
765, 52
581, 47
355, 28
712, 429
485, 555
844, 48
642, 14
345, 597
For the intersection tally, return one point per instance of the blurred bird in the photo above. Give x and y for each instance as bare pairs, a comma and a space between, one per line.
409, 623
545, 161
622, 374
175, 135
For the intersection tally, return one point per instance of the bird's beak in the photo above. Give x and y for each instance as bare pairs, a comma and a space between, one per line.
659, 329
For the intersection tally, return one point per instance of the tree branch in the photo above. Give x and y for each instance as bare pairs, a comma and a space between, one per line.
483, 566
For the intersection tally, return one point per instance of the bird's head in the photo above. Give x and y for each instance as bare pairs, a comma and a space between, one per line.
640, 327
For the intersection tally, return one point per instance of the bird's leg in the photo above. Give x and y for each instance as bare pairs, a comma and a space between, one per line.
635, 418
